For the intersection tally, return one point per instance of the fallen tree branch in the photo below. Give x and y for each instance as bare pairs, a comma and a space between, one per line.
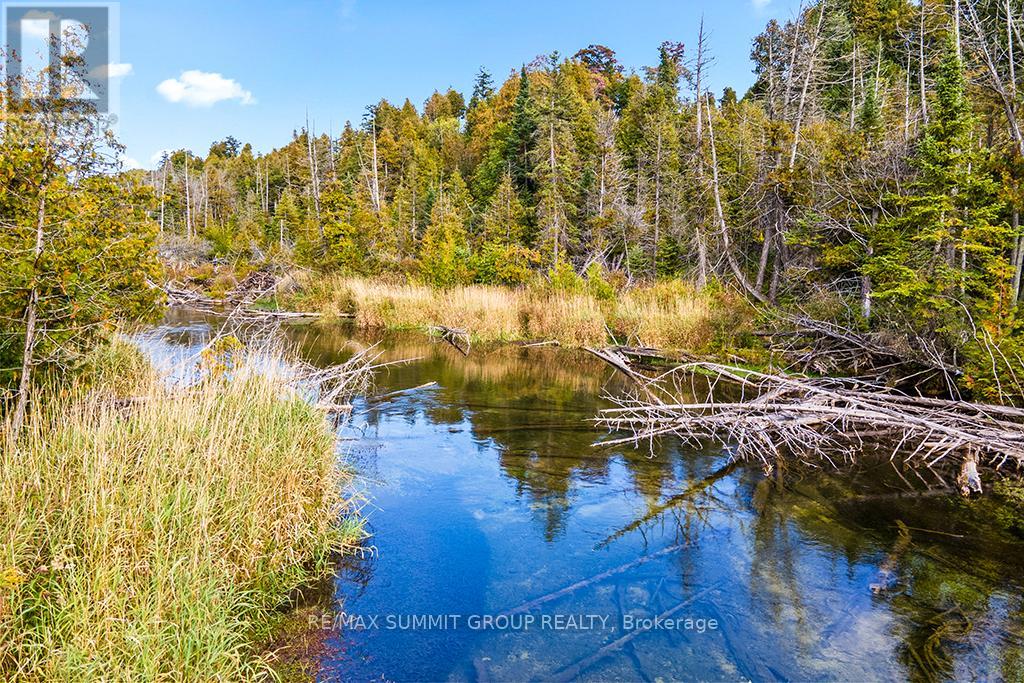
537, 602
826, 347
572, 672
784, 416
456, 337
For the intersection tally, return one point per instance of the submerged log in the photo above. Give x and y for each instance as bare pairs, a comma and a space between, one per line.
573, 671
537, 602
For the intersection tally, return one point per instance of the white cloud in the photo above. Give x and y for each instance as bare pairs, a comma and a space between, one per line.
760, 4
36, 27
113, 70
130, 163
203, 89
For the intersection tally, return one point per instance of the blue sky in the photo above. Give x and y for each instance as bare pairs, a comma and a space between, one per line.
200, 71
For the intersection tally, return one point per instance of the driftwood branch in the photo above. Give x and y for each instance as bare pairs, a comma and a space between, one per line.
178, 295
780, 416
456, 337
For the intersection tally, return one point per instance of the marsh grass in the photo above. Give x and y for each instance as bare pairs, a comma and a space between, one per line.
669, 315
155, 532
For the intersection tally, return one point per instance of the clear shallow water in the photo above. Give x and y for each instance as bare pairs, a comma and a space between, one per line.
485, 493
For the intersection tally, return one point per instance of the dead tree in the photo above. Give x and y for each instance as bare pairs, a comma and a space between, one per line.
778, 417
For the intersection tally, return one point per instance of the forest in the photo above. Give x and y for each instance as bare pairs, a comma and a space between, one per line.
870, 176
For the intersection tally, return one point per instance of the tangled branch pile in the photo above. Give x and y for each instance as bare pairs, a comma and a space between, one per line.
822, 346
780, 416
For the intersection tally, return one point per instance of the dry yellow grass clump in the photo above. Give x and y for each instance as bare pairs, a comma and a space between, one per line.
669, 315
155, 537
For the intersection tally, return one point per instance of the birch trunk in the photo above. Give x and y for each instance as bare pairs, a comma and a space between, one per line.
31, 314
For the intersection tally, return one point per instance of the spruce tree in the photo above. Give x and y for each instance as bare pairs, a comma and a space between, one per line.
522, 136
943, 252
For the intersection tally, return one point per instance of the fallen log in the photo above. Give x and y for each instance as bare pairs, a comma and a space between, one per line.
537, 602
180, 296
783, 416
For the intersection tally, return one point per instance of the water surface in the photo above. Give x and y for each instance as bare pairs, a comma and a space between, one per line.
486, 493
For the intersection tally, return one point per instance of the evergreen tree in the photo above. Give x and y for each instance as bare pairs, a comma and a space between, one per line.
444, 251
483, 88
944, 251
521, 137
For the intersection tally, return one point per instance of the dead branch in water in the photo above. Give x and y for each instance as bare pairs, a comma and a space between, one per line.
454, 336
181, 296
597, 578
572, 672
780, 416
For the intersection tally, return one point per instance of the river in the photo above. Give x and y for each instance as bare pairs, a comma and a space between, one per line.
506, 547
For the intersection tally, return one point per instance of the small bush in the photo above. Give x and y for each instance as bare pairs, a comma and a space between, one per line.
563, 278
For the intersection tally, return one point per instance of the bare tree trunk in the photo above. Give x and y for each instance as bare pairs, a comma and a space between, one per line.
657, 204
554, 185
807, 81
762, 264
956, 29
724, 229
313, 177
920, 69
31, 314
188, 201
700, 69
376, 173
163, 195
1009, 48
865, 280
206, 199
1018, 257
906, 102
702, 257
853, 89
702, 247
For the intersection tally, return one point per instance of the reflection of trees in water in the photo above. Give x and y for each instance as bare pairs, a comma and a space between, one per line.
954, 614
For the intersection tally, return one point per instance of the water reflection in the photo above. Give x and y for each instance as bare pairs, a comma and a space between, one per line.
487, 494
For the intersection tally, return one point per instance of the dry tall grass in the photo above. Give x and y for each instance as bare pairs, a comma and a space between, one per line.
669, 315
154, 538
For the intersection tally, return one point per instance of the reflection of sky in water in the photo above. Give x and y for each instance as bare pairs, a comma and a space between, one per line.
486, 493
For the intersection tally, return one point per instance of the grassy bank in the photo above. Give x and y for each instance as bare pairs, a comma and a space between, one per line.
669, 314
158, 537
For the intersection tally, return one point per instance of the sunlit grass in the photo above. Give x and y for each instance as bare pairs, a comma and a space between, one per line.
151, 532
669, 315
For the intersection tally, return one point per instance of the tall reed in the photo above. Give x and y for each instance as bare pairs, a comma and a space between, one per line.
154, 535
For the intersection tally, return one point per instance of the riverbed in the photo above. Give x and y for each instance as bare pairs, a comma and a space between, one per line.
507, 546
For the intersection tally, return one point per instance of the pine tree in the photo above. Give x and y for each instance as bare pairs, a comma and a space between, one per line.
504, 221
521, 137
945, 249
483, 88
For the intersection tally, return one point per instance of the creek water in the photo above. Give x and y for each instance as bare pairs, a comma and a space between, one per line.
506, 547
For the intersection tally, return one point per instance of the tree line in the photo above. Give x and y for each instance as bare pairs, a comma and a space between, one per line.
872, 170
875, 157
